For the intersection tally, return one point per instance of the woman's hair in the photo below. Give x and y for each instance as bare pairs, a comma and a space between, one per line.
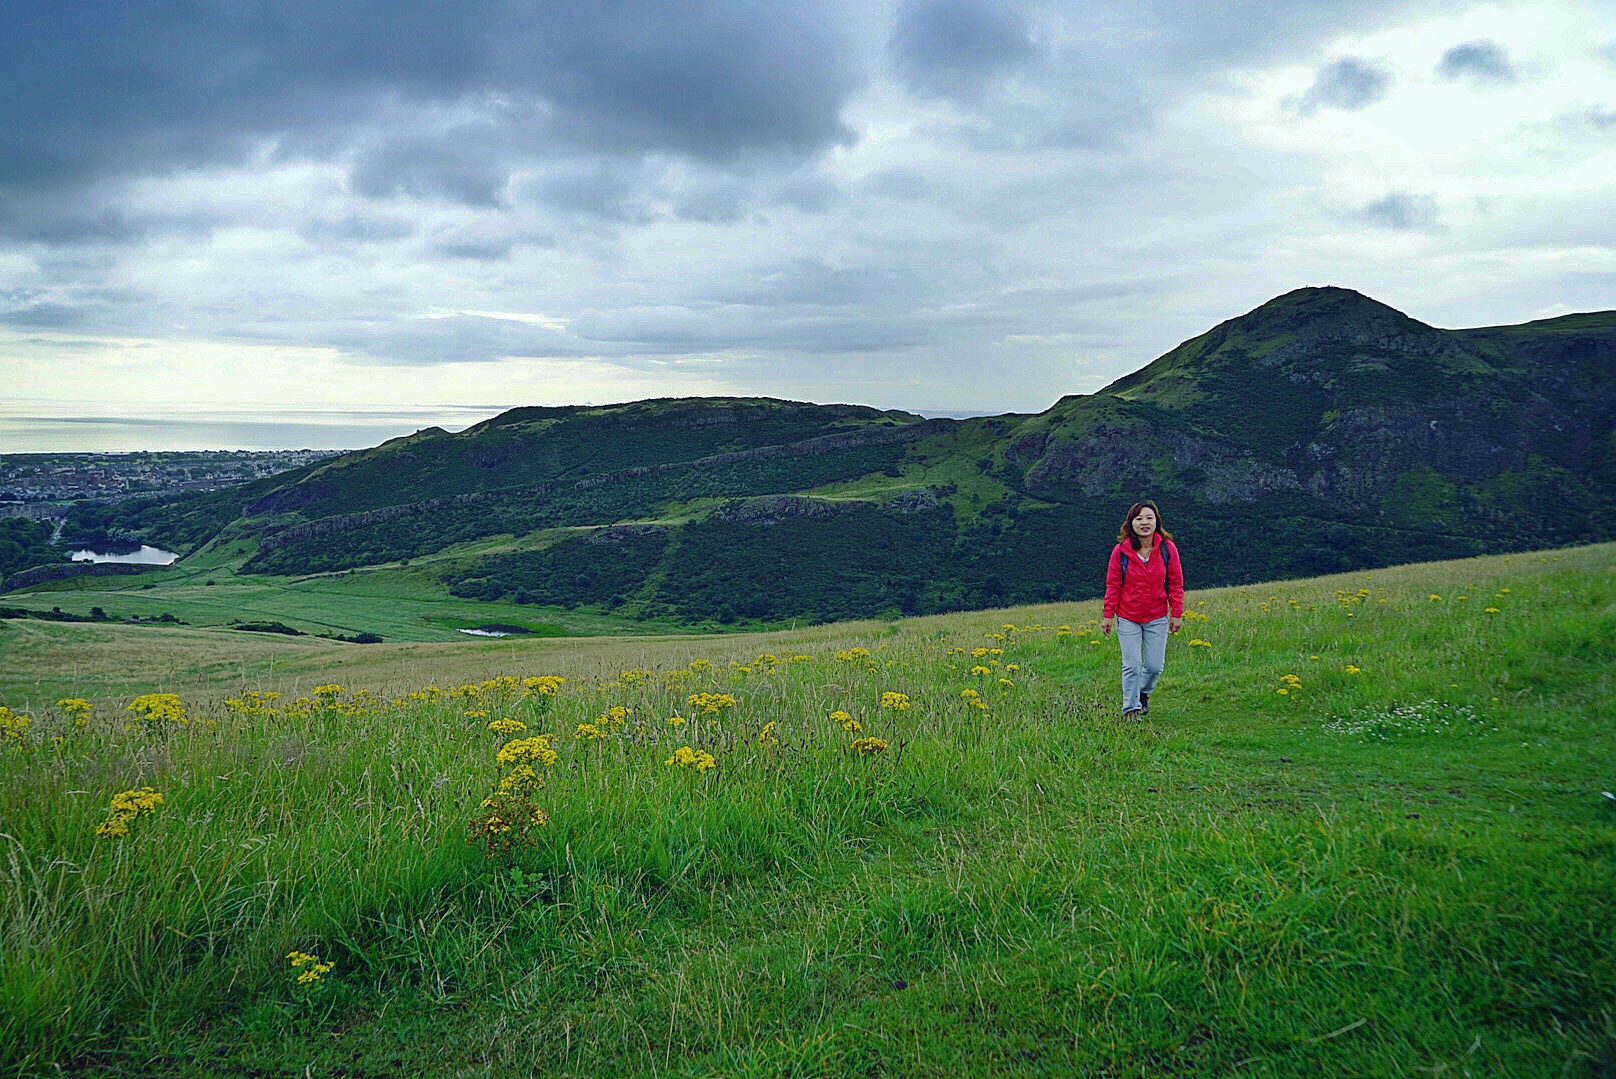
1126, 534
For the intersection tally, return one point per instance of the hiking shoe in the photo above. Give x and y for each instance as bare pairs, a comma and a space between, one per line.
1134, 713
1144, 703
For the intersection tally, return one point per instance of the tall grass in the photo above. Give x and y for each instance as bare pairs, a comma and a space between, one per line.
1401, 865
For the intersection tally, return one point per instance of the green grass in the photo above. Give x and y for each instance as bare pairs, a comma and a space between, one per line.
1402, 866
399, 602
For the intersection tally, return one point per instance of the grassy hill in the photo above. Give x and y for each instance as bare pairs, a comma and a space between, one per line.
1343, 433
1361, 834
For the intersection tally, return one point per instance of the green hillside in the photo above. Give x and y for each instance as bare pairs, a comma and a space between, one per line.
1361, 833
1320, 432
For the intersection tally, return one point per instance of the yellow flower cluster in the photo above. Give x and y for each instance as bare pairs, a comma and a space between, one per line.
1192, 615
710, 704
157, 708
126, 806
1347, 600
1350, 669
849, 655
519, 779
1196, 642
979, 671
588, 732
974, 699
254, 705
506, 817
536, 748
870, 745
898, 702
1288, 682
766, 735
847, 721
77, 709
309, 966
506, 726
12, 724
685, 757
613, 718
544, 685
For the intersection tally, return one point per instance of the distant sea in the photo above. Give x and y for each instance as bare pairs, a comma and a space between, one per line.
56, 427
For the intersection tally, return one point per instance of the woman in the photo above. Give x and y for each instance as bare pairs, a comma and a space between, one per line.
1144, 597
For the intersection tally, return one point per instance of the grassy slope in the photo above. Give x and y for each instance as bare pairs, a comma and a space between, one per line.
1244, 884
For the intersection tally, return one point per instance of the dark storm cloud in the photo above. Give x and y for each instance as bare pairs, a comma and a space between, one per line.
463, 167
950, 48
115, 90
1484, 61
1348, 83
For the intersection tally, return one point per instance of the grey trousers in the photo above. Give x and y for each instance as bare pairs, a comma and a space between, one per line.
1144, 654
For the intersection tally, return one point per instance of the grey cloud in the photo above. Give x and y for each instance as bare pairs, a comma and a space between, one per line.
906, 184
454, 339
1484, 61
1348, 83
45, 316
951, 48
814, 283
593, 188
1404, 211
117, 90
356, 228
460, 167
678, 329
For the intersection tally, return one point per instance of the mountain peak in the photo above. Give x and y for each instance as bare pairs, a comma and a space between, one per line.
1343, 311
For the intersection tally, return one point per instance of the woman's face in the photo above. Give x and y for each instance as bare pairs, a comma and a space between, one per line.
1144, 523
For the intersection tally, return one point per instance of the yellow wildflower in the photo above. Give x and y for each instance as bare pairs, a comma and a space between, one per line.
710, 704
12, 724
312, 969
898, 702
536, 748
685, 757
870, 745
159, 708
848, 723
126, 806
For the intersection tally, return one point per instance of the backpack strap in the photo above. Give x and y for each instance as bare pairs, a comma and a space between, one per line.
1167, 572
1122, 557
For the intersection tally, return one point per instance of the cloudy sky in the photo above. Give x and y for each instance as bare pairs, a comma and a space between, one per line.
938, 205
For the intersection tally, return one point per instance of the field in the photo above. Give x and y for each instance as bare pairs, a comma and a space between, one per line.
1361, 833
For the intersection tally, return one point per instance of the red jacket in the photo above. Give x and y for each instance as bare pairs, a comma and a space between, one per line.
1154, 588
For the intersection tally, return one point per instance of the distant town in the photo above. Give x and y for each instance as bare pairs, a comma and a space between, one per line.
38, 485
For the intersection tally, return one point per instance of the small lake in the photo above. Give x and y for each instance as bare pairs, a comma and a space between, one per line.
146, 556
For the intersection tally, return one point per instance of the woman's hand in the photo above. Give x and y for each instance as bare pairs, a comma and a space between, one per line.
1174, 625
1105, 625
